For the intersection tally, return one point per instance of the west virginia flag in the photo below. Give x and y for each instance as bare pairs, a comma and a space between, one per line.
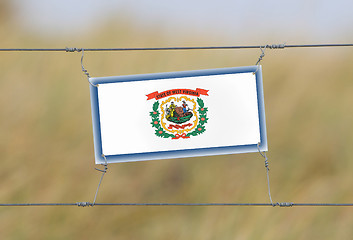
181, 114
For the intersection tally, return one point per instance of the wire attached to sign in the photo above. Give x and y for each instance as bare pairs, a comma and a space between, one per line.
84, 70
263, 154
263, 49
262, 55
67, 49
103, 172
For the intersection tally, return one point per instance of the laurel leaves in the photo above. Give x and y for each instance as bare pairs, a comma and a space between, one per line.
200, 128
156, 122
200, 102
154, 114
203, 119
155, 106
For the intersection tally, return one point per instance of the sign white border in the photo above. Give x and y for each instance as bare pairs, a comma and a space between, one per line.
180, 153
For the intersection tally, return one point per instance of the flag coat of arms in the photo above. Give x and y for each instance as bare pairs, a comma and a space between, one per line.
180, 114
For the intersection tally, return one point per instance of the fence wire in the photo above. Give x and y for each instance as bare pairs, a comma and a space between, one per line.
89, 204
268, 46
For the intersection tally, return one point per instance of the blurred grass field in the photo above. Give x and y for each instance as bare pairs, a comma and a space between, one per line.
47, 146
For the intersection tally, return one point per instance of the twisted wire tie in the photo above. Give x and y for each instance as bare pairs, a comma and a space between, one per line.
263, 154
263, 49
283, 204
83, 69
84, 204
261, 56
276, 46
67, 49
103, 173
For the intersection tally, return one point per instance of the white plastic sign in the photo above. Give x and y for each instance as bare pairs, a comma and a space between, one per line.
180, 114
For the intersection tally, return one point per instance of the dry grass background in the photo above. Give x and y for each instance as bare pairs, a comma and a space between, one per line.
46, 146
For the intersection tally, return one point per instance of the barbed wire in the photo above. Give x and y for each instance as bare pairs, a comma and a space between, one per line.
268, 46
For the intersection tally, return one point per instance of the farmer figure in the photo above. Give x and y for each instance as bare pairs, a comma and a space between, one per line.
172, 109
184, 106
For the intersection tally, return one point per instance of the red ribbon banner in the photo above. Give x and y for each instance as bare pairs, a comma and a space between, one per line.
156, 95
177, 136
176, 126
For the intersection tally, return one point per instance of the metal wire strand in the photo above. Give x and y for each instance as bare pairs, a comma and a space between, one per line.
103, 172
270, 46
261, 56
87, 204
263, 154
82, 67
